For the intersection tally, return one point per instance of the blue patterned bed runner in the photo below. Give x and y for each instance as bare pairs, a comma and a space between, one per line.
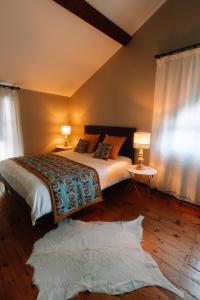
72, 185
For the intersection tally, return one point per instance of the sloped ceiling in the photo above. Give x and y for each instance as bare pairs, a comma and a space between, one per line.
127, 14
46, 48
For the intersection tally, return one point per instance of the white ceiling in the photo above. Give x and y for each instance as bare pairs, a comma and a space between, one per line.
127, 14
46, 48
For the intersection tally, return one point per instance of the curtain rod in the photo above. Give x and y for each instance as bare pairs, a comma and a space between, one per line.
10, 87
178, 50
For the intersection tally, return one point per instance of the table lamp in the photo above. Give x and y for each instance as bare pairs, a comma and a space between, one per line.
141, 142
66, 130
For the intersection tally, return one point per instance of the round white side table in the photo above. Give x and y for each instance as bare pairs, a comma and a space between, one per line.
63, 148
147, 171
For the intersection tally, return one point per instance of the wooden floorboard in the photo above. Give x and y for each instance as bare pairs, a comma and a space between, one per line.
171, 236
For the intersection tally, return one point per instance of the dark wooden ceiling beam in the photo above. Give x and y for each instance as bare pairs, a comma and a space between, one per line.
92, 16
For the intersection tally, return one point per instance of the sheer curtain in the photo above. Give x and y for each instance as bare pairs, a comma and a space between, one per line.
11, 143
175, 148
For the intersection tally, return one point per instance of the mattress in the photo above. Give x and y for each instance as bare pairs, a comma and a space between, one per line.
35, 191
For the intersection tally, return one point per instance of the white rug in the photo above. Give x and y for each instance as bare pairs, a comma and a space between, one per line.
2, 188
104, 257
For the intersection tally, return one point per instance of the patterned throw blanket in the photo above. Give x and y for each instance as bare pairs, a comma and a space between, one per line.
72, 185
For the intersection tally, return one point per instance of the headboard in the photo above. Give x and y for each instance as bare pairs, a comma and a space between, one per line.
127, 148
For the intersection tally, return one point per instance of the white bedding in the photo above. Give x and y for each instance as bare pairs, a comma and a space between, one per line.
36, 192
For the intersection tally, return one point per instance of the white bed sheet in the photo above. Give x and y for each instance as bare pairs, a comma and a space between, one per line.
36, 192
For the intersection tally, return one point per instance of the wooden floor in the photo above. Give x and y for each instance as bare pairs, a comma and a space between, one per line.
171, 235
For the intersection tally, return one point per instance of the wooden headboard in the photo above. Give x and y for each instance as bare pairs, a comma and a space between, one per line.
127, 148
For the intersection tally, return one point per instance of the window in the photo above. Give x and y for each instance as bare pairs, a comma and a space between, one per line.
10, 129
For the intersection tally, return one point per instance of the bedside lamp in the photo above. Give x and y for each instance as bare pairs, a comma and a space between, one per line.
141, 142
66, 130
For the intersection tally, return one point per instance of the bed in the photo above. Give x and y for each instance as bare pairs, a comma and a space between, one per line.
35, 192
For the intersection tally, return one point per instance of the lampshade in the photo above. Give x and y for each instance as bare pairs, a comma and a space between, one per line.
142, 140
66, 129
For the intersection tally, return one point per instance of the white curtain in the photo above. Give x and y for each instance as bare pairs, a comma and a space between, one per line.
11, 143
175, 148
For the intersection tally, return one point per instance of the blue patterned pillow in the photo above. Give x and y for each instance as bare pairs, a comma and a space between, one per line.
103, 151
82, 145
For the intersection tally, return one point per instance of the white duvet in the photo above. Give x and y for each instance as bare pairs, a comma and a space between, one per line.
36, 192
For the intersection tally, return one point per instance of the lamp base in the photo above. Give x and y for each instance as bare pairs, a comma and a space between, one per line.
140, 167
66, 143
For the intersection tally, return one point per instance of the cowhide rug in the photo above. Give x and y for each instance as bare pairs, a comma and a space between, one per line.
2, 188
101, 257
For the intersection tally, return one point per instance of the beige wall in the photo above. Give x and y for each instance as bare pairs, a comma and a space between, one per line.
122, 91
41, 117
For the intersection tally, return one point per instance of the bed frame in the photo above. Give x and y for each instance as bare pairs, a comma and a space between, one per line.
126, 150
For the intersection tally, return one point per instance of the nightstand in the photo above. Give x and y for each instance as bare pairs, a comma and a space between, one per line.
147, 171
63, 148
